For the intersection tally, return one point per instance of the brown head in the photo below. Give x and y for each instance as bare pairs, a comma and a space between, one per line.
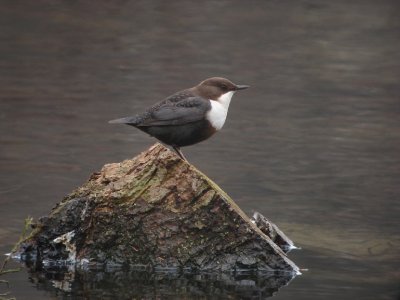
214, 87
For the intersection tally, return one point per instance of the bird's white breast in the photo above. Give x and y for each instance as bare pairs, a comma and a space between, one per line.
219, 110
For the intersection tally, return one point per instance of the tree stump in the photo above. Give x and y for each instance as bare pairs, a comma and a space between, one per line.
158, 211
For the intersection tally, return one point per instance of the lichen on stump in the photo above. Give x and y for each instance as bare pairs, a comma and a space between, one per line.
154, 210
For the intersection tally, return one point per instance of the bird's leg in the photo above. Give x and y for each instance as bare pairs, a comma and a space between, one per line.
179, 152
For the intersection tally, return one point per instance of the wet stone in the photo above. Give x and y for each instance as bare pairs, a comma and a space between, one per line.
158, 211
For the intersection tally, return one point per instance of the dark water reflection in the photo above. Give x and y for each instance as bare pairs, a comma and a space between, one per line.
314, 144
144, 285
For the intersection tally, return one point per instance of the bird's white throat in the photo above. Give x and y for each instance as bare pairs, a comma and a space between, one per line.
219, 110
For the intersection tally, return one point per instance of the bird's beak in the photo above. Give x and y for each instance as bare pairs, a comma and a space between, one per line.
241, 87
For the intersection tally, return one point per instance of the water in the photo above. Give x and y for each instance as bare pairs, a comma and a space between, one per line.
313, 145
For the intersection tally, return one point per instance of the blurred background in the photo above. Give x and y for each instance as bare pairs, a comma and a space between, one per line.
314, 145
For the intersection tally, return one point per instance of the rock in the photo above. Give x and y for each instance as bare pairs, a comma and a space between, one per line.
273, 232
158, 211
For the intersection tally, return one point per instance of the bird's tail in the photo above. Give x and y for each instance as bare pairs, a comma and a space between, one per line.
128, 120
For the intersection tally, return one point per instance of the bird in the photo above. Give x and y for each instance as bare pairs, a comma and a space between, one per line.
189, 116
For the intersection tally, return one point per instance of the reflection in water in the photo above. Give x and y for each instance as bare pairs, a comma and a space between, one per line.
139, 284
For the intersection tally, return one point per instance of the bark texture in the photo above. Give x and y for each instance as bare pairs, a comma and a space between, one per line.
159, 211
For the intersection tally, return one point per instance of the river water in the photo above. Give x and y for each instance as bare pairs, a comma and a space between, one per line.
314, 144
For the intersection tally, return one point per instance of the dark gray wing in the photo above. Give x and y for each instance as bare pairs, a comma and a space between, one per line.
182, 112
180, 108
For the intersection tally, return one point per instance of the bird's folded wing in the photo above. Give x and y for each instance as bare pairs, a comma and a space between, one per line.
183, 112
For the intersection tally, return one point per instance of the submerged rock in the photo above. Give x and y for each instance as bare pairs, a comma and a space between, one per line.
155, 210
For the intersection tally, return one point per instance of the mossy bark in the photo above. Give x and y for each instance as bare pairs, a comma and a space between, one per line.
155, 210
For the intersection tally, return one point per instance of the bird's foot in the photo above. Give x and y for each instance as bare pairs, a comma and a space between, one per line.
179, 152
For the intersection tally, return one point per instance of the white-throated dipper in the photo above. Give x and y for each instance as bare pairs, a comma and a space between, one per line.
189, 116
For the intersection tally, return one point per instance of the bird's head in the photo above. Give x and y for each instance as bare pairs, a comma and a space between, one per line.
215, 87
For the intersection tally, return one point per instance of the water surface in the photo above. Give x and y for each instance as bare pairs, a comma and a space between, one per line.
314, 144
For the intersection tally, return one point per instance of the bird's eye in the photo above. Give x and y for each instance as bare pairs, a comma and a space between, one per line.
224, 87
